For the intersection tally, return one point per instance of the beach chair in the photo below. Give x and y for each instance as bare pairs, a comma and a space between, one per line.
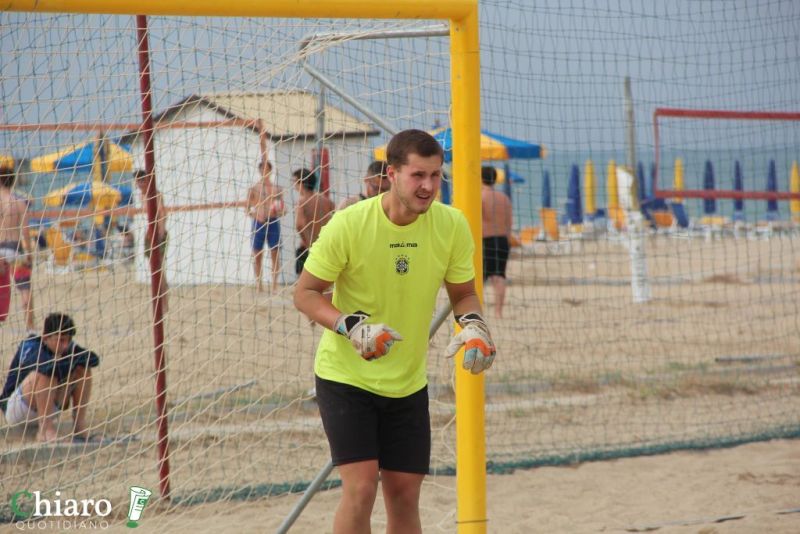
679, 214
616, 218
60, 248
549, 218
528, 234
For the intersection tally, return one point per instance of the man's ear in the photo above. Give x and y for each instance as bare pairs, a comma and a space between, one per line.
390, 172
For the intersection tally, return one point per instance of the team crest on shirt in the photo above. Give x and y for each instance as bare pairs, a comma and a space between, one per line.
401, 264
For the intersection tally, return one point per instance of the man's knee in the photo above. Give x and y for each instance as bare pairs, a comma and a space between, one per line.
402, 489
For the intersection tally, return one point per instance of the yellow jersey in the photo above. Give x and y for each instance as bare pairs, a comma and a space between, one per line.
393, 273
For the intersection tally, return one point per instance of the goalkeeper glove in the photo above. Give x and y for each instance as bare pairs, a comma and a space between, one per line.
479, 349
371, 341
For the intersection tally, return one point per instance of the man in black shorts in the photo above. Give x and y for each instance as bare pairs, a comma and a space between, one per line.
388, 256
497, 221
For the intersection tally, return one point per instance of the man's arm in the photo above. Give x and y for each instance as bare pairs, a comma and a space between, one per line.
310, 299
249, 202
509, 216
479, 349
463, 297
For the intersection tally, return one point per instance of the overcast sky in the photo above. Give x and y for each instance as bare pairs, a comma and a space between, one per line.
552, 71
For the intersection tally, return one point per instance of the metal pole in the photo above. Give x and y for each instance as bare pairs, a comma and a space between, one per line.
631, 138
324, 80
156, 258
438, 30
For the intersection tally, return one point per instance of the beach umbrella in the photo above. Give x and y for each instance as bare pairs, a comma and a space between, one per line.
588, 188
709, 204
81, 157
504, 174
97, 194
611, 186
738, 185
573, 208
794, 187
641, 182
493, 147
677, 181
547, 198
772, 186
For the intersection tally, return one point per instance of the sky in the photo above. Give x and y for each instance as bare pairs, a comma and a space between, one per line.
552, 71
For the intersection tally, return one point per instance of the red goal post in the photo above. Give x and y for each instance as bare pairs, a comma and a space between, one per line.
716, 114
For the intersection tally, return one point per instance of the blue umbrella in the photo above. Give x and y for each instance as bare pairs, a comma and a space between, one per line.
772, 186
641, 184
492, 146
547, 199
738, 185
574, 211
655, 204
709, 204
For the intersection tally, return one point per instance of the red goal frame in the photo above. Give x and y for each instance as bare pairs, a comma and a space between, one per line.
720, 115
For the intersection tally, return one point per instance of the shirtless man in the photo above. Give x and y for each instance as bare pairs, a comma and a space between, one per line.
158, 240
375, 182
265, 206
497, 219
14, 248
313, 211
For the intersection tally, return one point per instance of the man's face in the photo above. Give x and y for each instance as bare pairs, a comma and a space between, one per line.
417, 182
57, 343
377, 184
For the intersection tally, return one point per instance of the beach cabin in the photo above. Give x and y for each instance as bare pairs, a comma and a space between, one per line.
207, 149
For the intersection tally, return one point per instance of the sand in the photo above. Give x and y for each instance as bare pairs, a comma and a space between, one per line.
581, 373
680, 493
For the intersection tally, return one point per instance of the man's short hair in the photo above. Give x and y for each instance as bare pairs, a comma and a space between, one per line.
488, 175
59, 323
7, 177
263, 162
412, 142
377, 168
306, 177
139, 174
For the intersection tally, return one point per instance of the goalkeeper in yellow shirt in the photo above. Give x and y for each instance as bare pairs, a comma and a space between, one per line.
388, 256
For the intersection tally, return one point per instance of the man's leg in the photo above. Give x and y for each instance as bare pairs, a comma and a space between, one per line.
499, 286
80, 387
40, 392
26, 299
258, 259
359, 487
401, 494
275, 258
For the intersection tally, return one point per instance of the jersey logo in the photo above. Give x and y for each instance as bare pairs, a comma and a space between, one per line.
401, 264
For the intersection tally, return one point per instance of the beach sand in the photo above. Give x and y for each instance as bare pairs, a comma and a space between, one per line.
581, 371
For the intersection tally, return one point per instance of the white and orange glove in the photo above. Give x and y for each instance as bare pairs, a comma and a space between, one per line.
371, 341
479, 349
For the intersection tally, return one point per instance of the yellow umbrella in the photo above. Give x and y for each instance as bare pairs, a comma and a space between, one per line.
678, 180
611, 185
96, 194
794, 187
6, 161
588, 187
82, 156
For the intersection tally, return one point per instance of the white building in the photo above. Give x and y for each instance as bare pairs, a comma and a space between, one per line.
202, 170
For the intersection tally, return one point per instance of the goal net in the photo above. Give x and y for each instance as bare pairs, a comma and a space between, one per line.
582, 372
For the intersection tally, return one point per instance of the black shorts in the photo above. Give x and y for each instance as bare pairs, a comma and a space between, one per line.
495, 256
300, 256
364, 426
